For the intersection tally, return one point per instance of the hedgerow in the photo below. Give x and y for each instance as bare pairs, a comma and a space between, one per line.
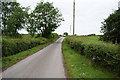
14, 46
104, 54
11, 46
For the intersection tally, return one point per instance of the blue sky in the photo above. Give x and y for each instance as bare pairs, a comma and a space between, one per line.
89, 14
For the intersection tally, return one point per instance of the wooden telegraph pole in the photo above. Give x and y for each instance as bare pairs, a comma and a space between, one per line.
70, 30
74, 17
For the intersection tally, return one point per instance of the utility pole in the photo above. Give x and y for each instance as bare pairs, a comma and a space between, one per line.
74, 17
70, 29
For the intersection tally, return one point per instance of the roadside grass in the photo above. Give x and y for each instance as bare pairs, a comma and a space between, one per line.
11, 60
79, 66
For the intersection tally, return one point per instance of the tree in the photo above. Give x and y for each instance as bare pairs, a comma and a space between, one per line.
92, 35
31, 26
111, 28
6, 12
13, 18
46, 19
65, 34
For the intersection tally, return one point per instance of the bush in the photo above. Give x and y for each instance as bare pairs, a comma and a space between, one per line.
54, 35
101, 53
13, 46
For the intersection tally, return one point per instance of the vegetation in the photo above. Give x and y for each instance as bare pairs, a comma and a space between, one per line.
40, 24
78, 66
65, 34
13, 46
103, 54
111, 28
92, 35
44, 19
13, 18
15, 50
13, 59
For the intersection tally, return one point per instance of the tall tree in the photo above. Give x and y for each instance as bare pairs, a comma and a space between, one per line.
111, 28
47, 18
13, 18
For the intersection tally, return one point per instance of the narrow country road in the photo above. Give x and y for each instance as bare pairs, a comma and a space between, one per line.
47, 63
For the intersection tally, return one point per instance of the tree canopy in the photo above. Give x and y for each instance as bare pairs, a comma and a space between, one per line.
13, 18
111, 28
44, 19
65, 34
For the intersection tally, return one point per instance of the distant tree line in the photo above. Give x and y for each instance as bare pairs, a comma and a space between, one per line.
91, 34
111, 28
43, 20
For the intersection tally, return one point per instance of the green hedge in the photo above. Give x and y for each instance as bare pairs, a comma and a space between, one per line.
13, 46
104, 54
54, 36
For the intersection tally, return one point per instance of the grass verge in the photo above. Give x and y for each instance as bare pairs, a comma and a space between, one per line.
79, 66
11, 60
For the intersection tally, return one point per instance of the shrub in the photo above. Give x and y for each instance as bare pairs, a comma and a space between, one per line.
54, 35
104, 54
13, 46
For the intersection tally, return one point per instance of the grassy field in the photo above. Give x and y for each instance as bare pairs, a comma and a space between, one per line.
79, 65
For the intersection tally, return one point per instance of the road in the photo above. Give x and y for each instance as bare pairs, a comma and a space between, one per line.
46, 63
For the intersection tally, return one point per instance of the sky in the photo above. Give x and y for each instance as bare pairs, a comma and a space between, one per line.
89, 14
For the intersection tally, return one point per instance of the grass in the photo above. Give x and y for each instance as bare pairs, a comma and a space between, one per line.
96, 38
11, 60
79, 66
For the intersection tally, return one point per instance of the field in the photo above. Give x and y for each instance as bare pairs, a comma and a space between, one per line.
87, 57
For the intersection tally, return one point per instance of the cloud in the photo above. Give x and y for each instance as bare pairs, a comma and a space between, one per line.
89, 13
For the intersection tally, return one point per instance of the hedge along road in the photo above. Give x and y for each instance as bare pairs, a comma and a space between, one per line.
46, 63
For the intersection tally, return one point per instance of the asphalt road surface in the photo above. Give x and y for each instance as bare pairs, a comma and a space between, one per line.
46, 63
